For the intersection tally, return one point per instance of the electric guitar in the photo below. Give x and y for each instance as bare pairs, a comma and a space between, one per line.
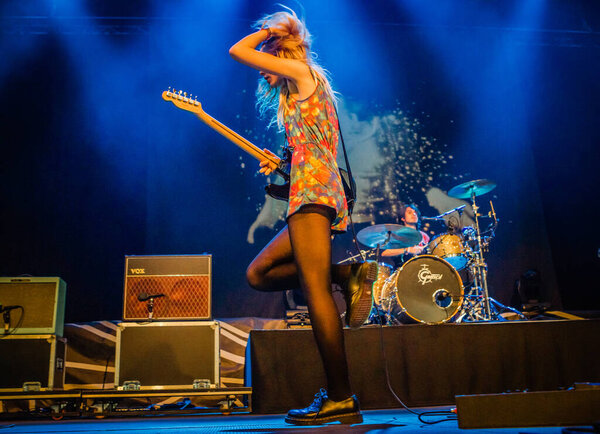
276, 191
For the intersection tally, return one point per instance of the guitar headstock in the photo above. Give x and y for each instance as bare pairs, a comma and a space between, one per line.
182, 100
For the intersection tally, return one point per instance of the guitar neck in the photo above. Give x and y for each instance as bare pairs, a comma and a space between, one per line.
192, 105
238, 140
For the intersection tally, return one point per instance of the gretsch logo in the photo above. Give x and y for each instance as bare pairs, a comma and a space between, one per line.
426, 276
138, 270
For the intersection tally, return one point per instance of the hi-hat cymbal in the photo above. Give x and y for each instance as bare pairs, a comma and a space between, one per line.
389, 236
467, 189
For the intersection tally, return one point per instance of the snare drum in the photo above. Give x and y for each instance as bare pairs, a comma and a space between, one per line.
449, 247
427, 290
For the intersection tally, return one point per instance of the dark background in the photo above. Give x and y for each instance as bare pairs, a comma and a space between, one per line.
433, 93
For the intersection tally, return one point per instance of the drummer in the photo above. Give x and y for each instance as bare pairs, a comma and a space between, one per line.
410, 217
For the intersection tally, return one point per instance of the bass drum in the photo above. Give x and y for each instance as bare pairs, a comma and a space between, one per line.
428, 290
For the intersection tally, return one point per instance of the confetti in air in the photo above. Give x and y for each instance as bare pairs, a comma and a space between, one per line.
409, 164
393, 162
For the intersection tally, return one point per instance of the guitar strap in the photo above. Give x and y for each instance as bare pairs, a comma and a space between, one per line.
352, 188
351, 182
351, 178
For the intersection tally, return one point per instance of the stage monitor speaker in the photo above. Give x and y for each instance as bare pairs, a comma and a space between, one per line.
183, 283
43, 305
576, 406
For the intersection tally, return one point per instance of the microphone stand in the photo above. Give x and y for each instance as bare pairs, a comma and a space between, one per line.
150, 307
387, 307
6, 318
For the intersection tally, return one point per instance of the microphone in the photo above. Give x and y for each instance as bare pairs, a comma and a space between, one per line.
442, 298
439, 217
143, 296
442, 294
5, 311
458, 208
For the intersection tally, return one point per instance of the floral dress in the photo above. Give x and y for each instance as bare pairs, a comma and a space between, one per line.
312, 130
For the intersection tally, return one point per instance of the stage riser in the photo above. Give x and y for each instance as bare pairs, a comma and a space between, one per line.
428, 365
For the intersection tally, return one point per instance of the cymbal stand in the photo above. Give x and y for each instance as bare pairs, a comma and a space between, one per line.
480, 267
376, 314
478, 305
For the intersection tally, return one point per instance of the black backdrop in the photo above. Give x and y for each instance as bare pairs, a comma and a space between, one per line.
96, 166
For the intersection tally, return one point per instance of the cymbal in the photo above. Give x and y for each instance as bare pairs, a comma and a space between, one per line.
389, 236
466, 189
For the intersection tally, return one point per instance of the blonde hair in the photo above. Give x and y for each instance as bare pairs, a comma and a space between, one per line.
291, 41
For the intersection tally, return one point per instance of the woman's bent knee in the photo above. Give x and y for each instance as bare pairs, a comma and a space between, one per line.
255, 277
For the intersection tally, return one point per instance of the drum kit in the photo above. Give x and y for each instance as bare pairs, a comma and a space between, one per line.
449, 282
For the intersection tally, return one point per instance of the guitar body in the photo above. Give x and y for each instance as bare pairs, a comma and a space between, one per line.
279, 191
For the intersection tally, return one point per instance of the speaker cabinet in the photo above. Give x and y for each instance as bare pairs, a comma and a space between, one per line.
163, 355
184, 281
32, 359
43, 302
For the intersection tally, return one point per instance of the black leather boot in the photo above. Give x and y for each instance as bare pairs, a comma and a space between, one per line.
359, 292
323, 410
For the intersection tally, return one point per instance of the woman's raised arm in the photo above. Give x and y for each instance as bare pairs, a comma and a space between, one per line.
244, 51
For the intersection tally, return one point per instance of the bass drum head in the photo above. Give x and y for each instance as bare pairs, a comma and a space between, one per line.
429, 289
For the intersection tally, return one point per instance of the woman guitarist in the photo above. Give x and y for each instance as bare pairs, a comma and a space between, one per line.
298, 92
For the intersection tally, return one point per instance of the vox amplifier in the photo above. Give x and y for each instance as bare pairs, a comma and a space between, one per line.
167, 287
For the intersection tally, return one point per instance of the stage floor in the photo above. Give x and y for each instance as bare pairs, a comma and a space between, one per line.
375, 421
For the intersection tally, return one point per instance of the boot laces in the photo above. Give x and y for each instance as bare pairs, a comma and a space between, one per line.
320, 396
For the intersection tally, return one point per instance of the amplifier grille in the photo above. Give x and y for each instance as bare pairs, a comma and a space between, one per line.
185, 297
43, 302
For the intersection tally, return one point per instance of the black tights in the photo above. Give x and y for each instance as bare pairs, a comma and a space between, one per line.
300, 256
